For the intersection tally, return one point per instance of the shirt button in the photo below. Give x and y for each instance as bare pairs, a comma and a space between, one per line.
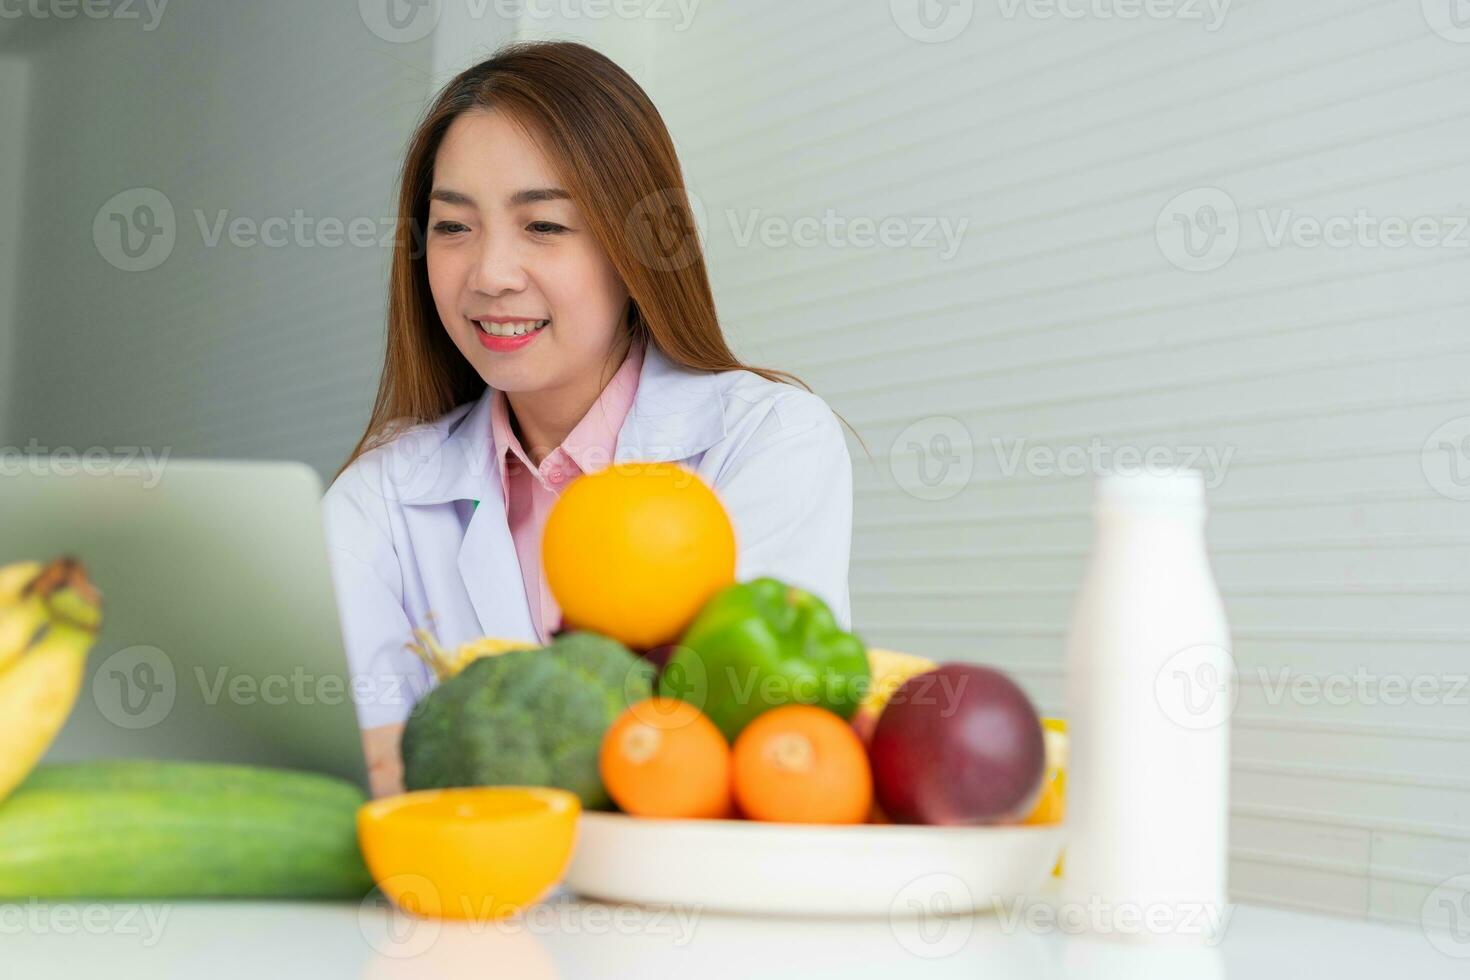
557, 474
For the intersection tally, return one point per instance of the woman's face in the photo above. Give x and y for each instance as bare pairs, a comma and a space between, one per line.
499, 249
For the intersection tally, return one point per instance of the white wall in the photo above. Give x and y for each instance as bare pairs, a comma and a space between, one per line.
1318, 373
268, 347
467, 31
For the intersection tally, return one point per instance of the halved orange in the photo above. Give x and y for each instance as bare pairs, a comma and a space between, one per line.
476, 853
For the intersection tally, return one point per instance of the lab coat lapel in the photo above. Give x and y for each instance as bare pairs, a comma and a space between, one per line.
676, 414
492, 571
487, 561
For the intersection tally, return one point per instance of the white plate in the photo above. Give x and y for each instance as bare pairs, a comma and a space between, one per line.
868, 869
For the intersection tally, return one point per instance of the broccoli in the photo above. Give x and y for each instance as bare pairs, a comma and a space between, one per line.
526, 718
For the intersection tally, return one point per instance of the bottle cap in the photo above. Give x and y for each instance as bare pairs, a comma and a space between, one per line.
1179, 491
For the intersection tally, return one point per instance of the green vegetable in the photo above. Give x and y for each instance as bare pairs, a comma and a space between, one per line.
145, 829
526, 718
197, 777
758, 645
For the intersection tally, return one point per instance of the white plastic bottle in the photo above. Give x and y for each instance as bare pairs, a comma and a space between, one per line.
1150, 690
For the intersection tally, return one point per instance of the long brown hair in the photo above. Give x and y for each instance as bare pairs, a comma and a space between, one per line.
619, 165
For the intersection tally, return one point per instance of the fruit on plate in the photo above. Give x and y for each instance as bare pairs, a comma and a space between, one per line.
663, 758
760, 645
447, 663
141, 829
660, 655
525, 718
634, 550
480, 853
1048, 808
802, 764
49, 617
1051, 805
960, 744
889, 669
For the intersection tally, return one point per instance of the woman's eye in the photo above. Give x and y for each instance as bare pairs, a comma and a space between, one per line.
546, 227
449, 227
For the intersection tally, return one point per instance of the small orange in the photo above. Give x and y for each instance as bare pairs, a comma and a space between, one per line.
802, 764
663, 758
634, 550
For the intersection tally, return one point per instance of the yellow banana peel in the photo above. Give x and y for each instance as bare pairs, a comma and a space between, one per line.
15, 577
49, 617
888, 669
448, 663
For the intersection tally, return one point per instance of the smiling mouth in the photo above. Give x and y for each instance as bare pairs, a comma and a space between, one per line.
517, 329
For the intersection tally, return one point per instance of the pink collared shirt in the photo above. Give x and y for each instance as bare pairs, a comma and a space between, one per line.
530, 490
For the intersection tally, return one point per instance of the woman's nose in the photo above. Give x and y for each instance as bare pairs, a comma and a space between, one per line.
497, 268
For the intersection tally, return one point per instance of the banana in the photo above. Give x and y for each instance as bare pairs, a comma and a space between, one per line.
22, 613
20, 622
448, 663
15, 577
46, 631
888, 670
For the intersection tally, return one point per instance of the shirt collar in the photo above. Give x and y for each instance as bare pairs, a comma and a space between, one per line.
677, 413
591, 443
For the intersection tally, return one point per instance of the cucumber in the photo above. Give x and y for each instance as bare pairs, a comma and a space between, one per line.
180, 830
198, 776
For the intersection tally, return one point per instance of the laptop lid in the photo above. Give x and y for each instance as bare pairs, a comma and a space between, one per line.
220, 637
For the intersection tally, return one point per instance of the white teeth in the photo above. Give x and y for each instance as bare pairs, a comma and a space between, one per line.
510, 329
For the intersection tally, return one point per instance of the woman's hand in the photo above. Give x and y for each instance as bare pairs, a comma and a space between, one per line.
384, 760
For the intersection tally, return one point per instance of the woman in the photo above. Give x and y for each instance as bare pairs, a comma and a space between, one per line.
549, 313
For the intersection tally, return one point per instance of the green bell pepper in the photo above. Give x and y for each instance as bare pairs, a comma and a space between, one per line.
761, 644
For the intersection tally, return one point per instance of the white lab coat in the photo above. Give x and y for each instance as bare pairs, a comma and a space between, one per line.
409, 549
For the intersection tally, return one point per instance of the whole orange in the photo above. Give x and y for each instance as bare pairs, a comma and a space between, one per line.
663, 758
634, 550
802, 764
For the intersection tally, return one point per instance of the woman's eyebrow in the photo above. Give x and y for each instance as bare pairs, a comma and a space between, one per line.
530, 196
537, 195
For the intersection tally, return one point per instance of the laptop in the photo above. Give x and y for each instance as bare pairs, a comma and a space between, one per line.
220, 636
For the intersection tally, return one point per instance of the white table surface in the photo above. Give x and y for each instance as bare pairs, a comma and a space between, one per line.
566, 937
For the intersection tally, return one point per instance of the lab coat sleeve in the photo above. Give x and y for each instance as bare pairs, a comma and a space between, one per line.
386, 678
789, 494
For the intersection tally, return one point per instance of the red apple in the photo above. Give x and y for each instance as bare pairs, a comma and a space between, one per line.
961, 744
